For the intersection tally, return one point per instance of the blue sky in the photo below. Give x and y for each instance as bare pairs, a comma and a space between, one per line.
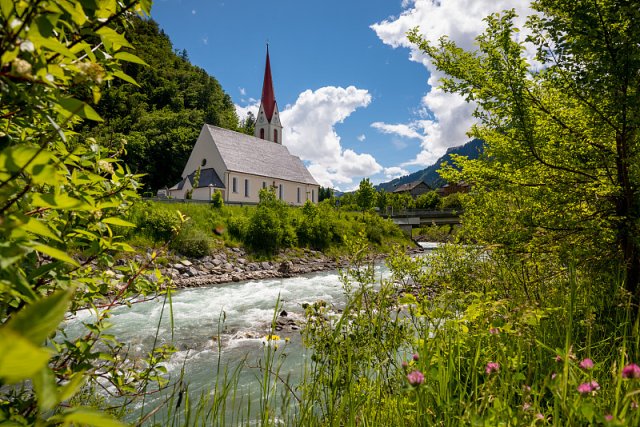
355, 97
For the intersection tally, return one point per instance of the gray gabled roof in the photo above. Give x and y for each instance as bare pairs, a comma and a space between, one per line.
251, 155
207, 176
410, 186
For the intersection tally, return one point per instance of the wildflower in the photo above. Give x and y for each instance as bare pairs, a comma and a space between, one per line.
492, 367
494, 331
589, 387
584, 388
415, 378
526, 406
272, 338
608, 417
539, 416
631, 371
105, 166
21, 67
586, 364
27, 46
553, 376
558, 358
416, 357
404, 364
634, 404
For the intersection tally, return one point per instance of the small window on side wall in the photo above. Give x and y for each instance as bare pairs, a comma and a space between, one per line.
262, 133
204, 162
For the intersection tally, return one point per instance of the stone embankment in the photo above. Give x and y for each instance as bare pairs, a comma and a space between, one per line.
232, 265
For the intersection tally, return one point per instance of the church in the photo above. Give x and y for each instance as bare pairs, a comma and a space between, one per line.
239, 165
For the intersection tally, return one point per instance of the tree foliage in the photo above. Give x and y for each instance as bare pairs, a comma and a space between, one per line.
160, 117
61, 206
560, 169
366, 195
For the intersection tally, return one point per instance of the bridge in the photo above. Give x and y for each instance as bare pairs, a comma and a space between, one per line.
406, 219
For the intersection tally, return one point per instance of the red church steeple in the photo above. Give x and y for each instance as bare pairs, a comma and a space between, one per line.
268, 96
268, 125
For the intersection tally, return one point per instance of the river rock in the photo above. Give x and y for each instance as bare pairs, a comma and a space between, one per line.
186, 263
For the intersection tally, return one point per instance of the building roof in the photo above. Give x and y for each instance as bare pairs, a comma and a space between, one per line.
207, 177
268, 95
410, 186
248, 154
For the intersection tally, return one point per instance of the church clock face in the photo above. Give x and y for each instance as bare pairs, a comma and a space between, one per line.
261, 119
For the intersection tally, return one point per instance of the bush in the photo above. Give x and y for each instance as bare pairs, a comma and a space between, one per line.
429, 200
191, 244
237, 226
216, 199
158, 223
265, 230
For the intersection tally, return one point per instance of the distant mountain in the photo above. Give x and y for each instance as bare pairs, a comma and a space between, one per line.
471, 149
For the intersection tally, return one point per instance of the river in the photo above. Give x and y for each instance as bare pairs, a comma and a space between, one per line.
228, 321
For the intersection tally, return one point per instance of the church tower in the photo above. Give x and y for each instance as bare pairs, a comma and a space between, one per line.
268, 126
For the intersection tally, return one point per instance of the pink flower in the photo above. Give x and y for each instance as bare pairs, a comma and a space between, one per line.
494, 331
553, 376
539, 416
404, 364
634, 404
586, 363
415, 378
608, 417
526, 406
585, 388
416, 356
558, 358
631, 371
492, 367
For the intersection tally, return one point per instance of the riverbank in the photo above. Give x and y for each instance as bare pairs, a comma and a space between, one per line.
233, 265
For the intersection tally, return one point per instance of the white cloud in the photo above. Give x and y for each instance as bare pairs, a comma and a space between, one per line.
361, 138
193, 11
243, 91
448, 115
309, 132
242, 112
394, 172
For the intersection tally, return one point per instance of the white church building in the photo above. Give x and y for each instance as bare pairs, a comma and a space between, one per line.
239, 165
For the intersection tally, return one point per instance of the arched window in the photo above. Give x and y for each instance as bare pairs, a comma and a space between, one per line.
262, 133
275, 135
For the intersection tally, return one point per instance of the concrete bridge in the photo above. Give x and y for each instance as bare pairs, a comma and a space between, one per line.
406, 219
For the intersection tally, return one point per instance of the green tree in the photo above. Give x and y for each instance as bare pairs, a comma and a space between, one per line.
560, 168
62, 202
366, 195
428, 200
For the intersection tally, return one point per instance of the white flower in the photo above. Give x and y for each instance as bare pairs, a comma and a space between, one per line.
21, 67
27, 46
15, 23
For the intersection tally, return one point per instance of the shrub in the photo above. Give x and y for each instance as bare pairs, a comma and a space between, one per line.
216, 199
237, 226
429, 200
158, 223
191, 243
265, 230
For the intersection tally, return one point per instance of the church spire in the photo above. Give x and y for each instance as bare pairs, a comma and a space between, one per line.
268, 95
268, 125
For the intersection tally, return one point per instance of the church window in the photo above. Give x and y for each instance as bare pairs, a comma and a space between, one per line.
246, 188
264, 184
234, 184
204, 162
280, 192
313, 196
298, 194
275, 135
262, 133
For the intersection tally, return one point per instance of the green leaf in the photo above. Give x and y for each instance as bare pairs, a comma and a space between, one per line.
6, 6
129, 57
32, 160
90, 417
111, 38
118, 221
74, 10
19, 358
37, 321
55, 253
71, 388
49, 43
127, 78
79, 108
60, 201
44, 383
39, 228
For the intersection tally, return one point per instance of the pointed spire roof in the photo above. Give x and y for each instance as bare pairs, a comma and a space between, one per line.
268, 96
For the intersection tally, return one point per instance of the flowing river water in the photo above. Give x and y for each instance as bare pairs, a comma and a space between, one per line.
223, 325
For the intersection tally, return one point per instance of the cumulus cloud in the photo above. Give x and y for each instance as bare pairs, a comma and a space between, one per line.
395, 172
309, 133
448, 115
243, 112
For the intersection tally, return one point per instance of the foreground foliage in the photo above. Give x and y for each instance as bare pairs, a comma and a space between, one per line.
60, 202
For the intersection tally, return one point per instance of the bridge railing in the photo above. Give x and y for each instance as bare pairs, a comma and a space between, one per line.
422, 213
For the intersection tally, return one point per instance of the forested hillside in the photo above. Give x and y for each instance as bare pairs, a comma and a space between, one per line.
430, 175
162, 116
